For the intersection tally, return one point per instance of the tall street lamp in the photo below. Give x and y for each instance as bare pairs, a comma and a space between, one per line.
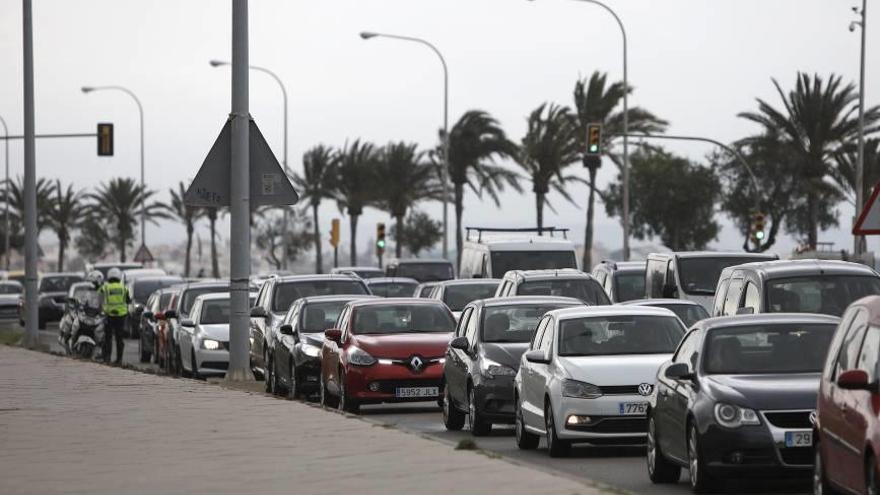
860, 165
445, 171
6, 193
89, 89
626, 219
220, 63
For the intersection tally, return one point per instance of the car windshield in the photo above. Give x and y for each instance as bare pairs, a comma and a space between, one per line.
688, 313
58, 284
504, 261
587, 290
621, 334
215, 312
402, 318
825, 294
765, 349
286, 293
458, 296
393, 289
317, 317
10, 289
142, 289
700, 275
425, 291
514, 323
630, 286
425, 272
189, 297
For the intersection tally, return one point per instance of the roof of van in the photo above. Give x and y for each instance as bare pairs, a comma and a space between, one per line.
717, 254
522, 243
568, 273
788, 268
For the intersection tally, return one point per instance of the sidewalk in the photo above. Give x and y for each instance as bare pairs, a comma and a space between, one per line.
75, 427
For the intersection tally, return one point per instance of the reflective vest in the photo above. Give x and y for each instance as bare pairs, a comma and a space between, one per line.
115, 303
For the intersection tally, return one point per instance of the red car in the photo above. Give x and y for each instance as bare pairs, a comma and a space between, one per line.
847, 426
385, 350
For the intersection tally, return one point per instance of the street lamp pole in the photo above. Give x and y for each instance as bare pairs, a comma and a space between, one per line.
860, 165
6, 194
89, 89
444, 174
286, 220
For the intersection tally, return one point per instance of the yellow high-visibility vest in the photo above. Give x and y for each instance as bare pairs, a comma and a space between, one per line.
114, 299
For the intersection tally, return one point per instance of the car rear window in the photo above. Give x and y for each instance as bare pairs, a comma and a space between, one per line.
190, 295
824, 294
393, 289
630, 286
58, 284
587, 290
425, 272
688, 313
459, 296
504, 261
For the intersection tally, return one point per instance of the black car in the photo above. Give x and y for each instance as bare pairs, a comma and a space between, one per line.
52, 293
296, 355
484, 356
737, 398
140, 289
392, 286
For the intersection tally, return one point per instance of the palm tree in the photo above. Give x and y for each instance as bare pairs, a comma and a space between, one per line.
474, 142
355, 186
594, 103
66, 214
547, 148
188, 216
117, 202
317, 183
406, 180
817, 120
44, 202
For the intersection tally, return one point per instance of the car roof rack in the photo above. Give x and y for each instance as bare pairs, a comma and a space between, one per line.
538, 230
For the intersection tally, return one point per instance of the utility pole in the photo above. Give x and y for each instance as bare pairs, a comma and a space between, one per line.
859, 241
6, 225
239, 189
32, 336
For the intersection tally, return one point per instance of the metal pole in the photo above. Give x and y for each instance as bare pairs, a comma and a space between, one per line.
6, 225
32, 336
860, 165
239, 260
444, 173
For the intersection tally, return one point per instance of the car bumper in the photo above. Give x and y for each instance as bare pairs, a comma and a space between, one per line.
379, 383
753, 451
601, 421
308, 372
494, 398
212, 363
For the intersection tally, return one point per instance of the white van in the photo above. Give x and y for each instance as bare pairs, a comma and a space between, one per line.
490, 253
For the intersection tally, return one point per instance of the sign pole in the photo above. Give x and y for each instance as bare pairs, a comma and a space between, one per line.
32, 336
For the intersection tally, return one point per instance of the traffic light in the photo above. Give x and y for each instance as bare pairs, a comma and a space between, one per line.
105, 139
380, 239
594, 139
757, 228
334, 233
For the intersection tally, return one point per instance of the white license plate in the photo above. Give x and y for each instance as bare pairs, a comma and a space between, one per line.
409, 392
632, 408
799, 439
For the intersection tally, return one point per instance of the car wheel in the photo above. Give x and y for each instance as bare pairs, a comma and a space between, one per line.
183, 372
525, 440
277, 387
267, 377
701, 481
820, 482
194, 365
872, 483
293, 391
478, 425
660, 470
453, 419
346, 403
556, 447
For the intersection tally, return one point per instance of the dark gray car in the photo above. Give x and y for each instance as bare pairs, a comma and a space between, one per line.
484, 356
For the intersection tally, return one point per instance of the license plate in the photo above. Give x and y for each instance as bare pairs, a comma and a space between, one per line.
632, 408
409, 392
799, 439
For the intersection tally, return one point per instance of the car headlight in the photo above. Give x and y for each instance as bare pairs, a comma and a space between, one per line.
731, 416
312, 350
491, 369
580, 390
210, 345
359, 357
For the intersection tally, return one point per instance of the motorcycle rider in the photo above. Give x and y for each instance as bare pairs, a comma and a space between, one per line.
114, 303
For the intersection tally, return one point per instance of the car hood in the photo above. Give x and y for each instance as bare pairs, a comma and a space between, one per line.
604, 371
403, 345
315, 339
766, 392
506, 353
217, 332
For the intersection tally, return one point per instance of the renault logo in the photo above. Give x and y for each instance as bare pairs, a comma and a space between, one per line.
645, 389
416, 363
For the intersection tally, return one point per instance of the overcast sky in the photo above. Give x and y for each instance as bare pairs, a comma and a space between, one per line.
695, 63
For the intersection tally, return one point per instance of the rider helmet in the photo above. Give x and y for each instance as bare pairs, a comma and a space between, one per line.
114, 274
96, 278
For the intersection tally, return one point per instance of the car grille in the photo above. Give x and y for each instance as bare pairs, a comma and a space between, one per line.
789, 419
797, 456
390, 386
620, 390
613, 424
7, 312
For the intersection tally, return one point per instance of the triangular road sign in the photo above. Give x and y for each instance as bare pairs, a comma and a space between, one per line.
269, 184
868, 222
144, 255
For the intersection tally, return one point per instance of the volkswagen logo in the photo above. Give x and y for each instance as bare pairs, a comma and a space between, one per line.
645, 389
813, 418
416, 363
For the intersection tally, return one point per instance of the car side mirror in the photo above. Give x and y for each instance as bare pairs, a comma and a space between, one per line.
258, 312
670, 291
171, 313
333, 335
679, 371
285, 329
148, 315
854, 380
537, 356
460, 343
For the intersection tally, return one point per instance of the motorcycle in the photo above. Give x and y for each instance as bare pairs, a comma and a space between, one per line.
88, 330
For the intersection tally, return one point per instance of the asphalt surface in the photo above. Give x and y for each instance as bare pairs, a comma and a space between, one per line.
621, 468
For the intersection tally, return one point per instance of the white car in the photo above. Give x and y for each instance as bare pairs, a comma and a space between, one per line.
588, 374
204, 346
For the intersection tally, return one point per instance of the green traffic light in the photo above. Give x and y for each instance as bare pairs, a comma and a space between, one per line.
380, 243
759, 235
594, 148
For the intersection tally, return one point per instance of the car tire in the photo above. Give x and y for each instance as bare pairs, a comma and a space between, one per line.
660, 470
872, 480
478, 425
183, 372
555, 446
194, 365
293, 386
346, 403
525, 439
701, 481
453, 419
277, 387
267, 376
821, 486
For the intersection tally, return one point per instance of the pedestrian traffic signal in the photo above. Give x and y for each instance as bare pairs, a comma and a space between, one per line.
380, 239
758, 228
334, 233
105, 139
594, 139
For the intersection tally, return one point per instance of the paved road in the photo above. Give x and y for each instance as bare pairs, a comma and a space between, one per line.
622, 468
